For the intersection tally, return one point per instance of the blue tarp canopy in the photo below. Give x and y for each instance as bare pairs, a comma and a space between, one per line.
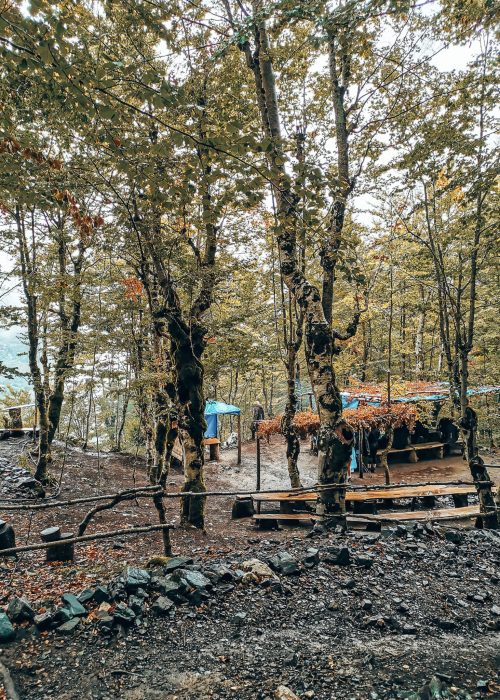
214, 409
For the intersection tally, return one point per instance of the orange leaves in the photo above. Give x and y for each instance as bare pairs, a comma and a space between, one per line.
84, 223
12, 145
133, 288
394, 415
305, 423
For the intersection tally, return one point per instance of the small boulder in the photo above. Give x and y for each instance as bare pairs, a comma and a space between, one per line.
123, 614
163, 605
364, 560
194, 579
68, 627
176, 563
134, 578
101, 595
73, 604
339, 556
256, 571
7, 631
44, 620
86, 595
19, 610
285, 564
311, 558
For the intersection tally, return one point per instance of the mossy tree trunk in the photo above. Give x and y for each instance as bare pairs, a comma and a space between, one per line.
488, 508
186, 332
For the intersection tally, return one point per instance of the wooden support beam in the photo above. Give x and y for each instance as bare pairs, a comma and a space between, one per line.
238, 429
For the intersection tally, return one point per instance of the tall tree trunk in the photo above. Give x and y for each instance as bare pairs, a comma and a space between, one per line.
335, 436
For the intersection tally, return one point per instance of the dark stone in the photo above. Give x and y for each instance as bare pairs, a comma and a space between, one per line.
409, 629
73, 604
284, 563
7, 535
292, 659
19, 610
7, 631
197, 597
223, 574
44, 621
134, 578
446, 625
163, 605
86, 595
454, 536
172, 589
350, 583
136, 603
312, 558
123, 614
105, 623
176, 563
194, 579
337, 555
366, 604
62, 615
101, 595
364, 560
401, 531
69, 627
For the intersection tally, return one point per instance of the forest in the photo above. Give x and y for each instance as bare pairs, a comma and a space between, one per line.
278, 218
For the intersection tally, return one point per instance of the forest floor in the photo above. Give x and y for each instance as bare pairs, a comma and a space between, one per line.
424, 604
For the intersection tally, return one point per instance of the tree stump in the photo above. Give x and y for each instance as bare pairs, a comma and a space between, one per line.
58, 552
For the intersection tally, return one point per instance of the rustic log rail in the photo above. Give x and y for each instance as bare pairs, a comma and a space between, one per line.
149, 491
12, 551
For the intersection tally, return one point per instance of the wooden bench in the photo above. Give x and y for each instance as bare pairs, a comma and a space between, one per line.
273, 519
381, 494
437, 447
364, 501
214, 448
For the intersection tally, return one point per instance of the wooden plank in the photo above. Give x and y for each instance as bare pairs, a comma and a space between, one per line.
438, 514
372, 494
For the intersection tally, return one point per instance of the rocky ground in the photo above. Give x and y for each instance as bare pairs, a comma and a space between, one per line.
335, 616
407, 613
